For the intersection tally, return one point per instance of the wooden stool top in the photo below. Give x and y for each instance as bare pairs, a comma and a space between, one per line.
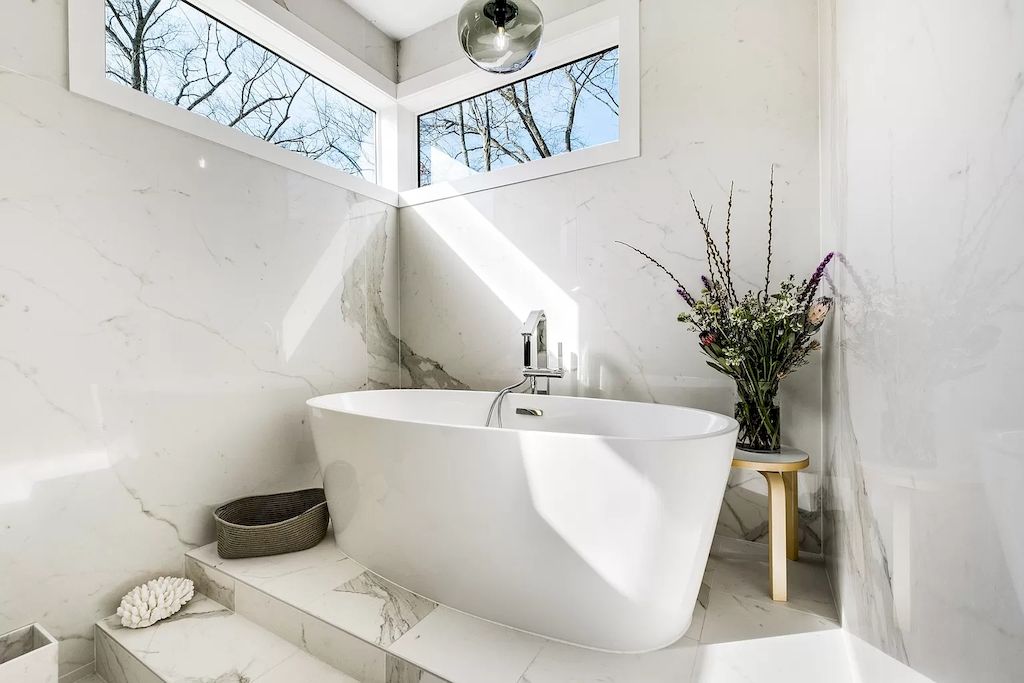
789, 459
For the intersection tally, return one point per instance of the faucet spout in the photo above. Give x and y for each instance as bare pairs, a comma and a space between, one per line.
534, 319
535, 353
535, 340
535, 365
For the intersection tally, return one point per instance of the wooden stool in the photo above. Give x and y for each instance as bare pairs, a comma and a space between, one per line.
779, 469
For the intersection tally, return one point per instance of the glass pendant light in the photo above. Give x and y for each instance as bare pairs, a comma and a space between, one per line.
500, 36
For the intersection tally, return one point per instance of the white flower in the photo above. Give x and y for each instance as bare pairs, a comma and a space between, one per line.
817, 312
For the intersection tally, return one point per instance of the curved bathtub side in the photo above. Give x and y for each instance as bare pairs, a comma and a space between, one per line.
598, 542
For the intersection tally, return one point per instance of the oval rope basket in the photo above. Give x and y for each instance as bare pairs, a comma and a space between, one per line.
256, 526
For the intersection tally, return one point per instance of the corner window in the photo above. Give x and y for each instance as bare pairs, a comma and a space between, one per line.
174, 52
568, 108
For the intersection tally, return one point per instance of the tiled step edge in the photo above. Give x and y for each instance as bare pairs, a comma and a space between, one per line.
327, 642
204, 641
116, 664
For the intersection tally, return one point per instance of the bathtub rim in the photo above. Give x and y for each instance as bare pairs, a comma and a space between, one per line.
731, 424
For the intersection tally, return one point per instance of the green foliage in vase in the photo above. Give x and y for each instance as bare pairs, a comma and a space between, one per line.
758, 337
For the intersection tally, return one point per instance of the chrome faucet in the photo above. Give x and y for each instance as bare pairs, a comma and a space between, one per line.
535, 367
535, 353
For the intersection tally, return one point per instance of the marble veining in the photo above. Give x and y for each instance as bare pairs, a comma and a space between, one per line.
116, 665
400, 610
205, 642
211, 583
169, 306
341, 650
16, 643
923, 196
28, 655
386, 349
733, 606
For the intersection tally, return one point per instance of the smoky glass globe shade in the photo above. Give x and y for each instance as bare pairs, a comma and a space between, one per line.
500, 36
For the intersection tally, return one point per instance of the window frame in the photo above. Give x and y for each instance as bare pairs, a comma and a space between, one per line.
277, 30
419, 117
398, 106
591, 30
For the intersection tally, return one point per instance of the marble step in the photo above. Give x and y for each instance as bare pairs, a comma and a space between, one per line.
205, 641
333, 608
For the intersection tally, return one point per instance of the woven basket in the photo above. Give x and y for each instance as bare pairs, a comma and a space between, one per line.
256, 526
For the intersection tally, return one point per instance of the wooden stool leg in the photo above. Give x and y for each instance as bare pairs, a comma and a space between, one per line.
777, 535
792, 517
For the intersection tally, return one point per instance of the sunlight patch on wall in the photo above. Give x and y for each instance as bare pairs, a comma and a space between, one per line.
18, 479
326, 276
518, 283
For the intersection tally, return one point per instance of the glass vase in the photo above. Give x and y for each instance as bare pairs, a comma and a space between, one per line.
757, 411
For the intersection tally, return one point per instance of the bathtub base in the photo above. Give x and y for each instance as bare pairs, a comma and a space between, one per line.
329, 606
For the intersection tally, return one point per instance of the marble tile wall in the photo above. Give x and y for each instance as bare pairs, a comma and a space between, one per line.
728, 89
166, 307
923, 194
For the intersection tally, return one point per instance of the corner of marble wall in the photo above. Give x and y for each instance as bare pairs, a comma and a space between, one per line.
922, 198
165, 325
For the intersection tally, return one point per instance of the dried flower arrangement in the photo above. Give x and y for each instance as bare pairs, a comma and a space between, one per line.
757, 338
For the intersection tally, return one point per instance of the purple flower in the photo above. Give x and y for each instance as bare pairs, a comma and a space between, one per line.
686, 296
707, 283
819, 272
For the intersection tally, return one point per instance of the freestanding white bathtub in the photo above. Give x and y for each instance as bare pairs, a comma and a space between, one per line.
590, 523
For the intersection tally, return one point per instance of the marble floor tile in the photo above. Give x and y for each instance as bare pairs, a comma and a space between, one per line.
207, 642
558, 663
809, 590
868, 664
294, 577
255, 569
726, 546
116, 665
326, 584
377, 632
376, 609
699, 612
211, 582
799, 658
732, 617
466, 649
302, 667
191, 644
334, 646
401, 671
310, 586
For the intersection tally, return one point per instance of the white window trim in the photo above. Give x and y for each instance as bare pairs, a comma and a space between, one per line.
274, 27
590, 30
398, 106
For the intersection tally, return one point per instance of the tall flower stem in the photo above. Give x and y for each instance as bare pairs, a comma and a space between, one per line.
758, 414
771, 216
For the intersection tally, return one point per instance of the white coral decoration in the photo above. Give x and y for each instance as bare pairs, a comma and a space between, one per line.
154, 600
